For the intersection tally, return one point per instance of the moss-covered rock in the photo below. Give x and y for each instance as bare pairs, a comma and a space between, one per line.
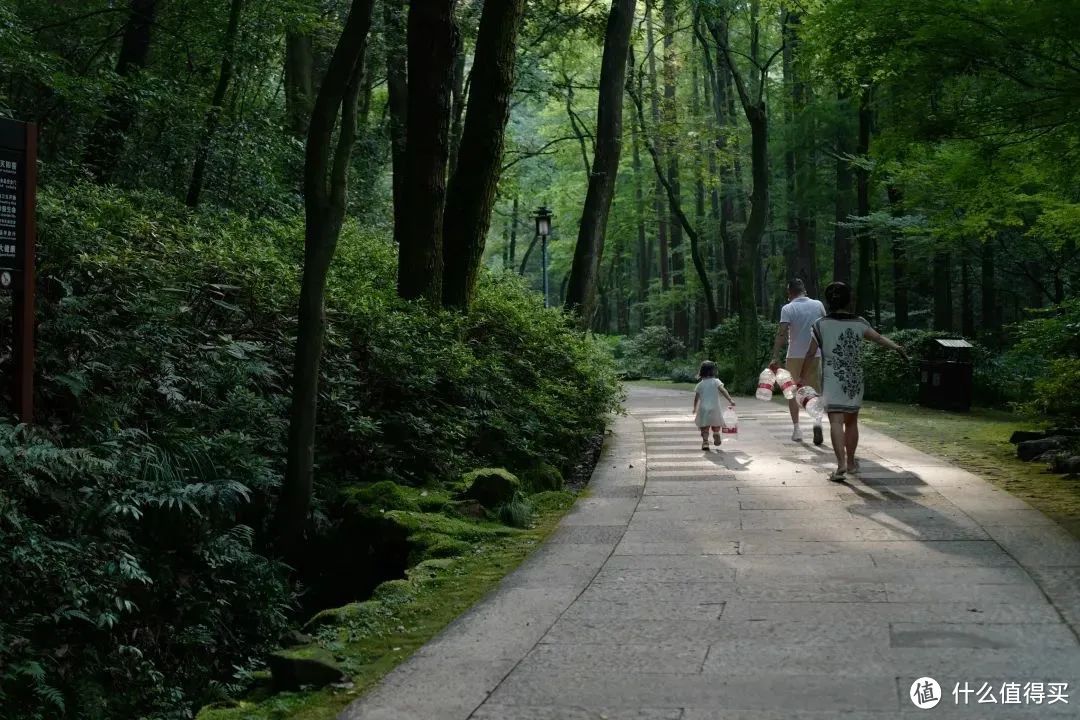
491, 487
382, 495
308, 665
542, 478
357, 613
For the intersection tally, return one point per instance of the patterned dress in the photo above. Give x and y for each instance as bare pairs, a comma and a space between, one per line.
840, 337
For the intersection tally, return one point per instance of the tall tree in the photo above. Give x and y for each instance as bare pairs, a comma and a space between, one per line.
397, 93
581, 290
664, 255
418, 223
752, 99
471, 193
644, 259
299, 80
326, 177
864, 294
797, 163
841, 229
103, 147
217, 103
669, 132
899, 263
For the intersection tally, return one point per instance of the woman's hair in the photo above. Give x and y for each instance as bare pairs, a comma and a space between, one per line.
837, 297
707, 370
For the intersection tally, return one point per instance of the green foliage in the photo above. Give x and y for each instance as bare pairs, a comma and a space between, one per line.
165, 347
649, 353
123, 559
516, 512
1055, 393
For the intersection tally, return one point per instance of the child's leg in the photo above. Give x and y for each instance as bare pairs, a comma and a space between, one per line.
851, 436
704, 437
716, 434
836, 432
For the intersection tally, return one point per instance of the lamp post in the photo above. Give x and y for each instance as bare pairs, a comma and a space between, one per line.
543, 229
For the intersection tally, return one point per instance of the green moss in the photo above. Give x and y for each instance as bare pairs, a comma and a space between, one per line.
374, 637
547, 503
388, 495
542, 477
418, 524
979, 441
491, 487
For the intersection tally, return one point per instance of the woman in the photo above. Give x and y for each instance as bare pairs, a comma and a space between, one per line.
839, 335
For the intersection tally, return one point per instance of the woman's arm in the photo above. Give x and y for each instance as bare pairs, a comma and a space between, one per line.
875, 337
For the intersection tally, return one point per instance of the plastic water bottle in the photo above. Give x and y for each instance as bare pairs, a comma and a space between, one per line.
764, 385
786, 383
811, 402
731, 423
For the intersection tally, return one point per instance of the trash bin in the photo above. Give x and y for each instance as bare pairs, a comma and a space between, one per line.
946, 376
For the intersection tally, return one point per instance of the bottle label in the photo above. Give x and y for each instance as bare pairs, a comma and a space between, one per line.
764, 386
731, 430
788, 384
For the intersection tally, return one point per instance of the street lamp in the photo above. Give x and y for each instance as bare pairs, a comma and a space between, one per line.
543, 229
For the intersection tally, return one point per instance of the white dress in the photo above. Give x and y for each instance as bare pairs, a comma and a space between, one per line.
709, 408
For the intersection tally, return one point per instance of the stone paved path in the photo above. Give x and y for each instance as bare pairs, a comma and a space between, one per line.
744, 585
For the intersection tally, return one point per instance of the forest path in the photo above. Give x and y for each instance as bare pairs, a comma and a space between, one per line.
745, 585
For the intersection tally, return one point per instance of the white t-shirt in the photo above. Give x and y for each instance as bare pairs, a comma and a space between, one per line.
800, 314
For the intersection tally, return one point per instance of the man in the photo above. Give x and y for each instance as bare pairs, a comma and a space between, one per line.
796, 321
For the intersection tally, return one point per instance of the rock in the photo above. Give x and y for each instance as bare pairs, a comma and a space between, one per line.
1064, 432
469, 508
294, 638
1031, 449
1020, 436
491, 487
1066, 464
543, 477
307, 665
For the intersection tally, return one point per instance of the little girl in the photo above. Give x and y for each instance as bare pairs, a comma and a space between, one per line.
707, 409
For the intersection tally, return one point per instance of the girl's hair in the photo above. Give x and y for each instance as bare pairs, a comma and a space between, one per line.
837, 297
707, 370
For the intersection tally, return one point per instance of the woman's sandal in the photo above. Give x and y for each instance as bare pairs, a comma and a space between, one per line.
838, 476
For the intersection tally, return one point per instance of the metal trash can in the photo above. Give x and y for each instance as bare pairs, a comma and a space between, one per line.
947, 375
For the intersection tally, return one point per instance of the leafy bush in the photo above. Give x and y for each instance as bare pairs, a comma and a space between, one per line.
650, 353
165, 348
723, 341
1055, 393
542, 478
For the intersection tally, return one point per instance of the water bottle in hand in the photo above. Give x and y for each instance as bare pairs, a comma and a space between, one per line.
764, 385
731, 423
811, 402
786, 383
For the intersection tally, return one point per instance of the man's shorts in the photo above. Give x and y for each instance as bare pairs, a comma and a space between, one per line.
813, 371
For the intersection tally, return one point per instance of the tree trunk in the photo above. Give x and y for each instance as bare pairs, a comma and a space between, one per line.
299, 81
658, 192
800, 169
669, 132
512, 253
684, 222
213, 115
967, 312
471, 193
865, 285
643, 259
842, 235
433, 41
103, 147
457, 105
581, 291
397, 94
325, 186
991, 314
899, 264
753, 104
943, 304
